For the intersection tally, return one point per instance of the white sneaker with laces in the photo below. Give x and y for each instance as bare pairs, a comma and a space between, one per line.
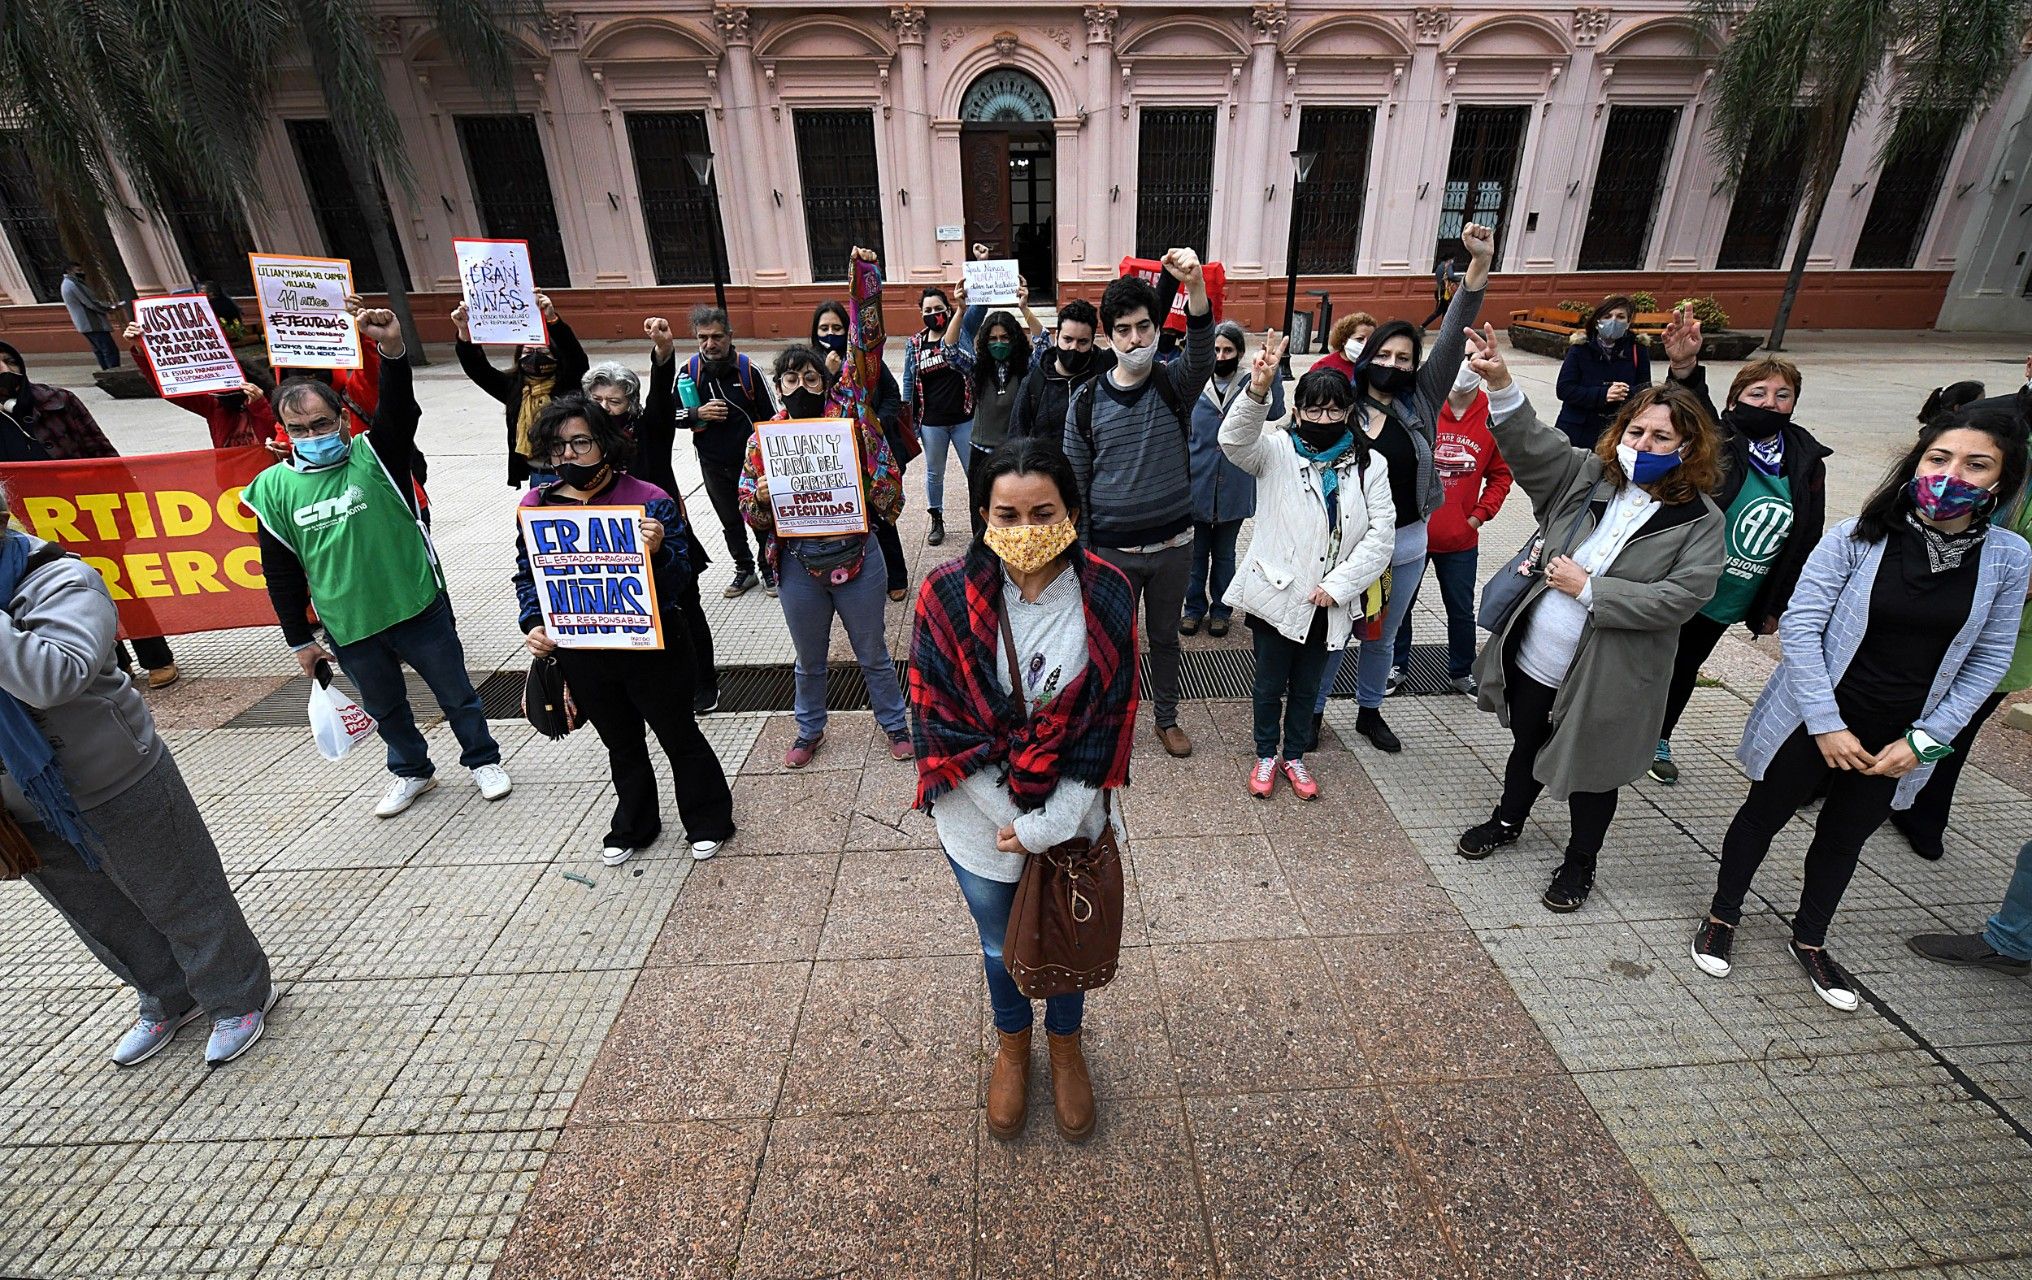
146, 1038
492, 780
615, 855
401, 794
1465, 684
703, 849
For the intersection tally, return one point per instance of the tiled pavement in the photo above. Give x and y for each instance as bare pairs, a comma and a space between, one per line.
1335, 1048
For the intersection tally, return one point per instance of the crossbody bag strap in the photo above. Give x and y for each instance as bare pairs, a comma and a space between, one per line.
1016, 686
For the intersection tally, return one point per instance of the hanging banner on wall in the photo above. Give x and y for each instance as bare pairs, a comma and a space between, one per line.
303, 311
500, 293
187, 350
814, 472
165, 530
593, 578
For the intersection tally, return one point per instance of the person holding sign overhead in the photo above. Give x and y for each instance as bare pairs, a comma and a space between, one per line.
621, 690
830, 573
340, 527
540, 371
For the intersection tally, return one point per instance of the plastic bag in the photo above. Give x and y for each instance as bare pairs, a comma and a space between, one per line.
336, 721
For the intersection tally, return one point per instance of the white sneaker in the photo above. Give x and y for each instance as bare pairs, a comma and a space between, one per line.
492, 780
1465, 684
1394, 682
614, 855
703, 849
401, 794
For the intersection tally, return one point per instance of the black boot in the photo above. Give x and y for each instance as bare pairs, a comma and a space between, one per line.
937, 527
1369, 723
1571, 884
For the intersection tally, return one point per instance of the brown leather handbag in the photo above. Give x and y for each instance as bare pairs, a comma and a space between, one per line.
1065, 925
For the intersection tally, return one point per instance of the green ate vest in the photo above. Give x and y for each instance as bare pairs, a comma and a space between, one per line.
363, 552
1757, 524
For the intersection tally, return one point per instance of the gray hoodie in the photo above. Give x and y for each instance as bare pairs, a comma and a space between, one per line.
56, 656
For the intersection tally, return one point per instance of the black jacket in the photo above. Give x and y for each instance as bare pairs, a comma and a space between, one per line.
505, 385
1806, 476
1042, 399
723, 444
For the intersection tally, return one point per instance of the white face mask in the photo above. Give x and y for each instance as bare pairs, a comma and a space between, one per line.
1136, 361
1352, 350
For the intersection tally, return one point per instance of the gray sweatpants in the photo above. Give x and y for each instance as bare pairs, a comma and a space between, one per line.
1159, 580
159, 913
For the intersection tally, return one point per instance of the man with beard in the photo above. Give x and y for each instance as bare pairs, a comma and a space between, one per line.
728, 396
1061, 368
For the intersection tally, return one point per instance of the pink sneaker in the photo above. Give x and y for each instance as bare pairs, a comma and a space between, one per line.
802, 750
900, 748
1263, 778
1300, 779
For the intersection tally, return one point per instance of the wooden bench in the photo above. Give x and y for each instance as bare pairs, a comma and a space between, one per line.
1650, 324
1546, 320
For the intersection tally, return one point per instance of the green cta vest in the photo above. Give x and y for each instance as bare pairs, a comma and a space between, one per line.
363, 552
1756, 527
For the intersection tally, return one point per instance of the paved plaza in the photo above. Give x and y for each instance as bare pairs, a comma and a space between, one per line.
1335, 1048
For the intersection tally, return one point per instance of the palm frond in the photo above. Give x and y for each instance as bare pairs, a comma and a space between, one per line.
1954, 58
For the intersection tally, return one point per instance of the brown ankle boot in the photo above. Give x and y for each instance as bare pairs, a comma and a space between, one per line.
1072, 1090
1009, 1084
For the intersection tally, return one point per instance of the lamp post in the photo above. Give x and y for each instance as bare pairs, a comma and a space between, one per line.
1301, 169
701, 163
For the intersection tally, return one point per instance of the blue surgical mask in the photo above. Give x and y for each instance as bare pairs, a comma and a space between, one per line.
1612, 329
1646, 468
322, 451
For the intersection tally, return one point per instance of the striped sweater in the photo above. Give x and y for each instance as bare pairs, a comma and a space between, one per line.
1135, 472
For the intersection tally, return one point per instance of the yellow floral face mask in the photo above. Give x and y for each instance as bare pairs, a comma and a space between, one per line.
1026, 548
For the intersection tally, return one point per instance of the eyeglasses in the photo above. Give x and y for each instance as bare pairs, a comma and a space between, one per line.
315, 427
810, 380
577, 447
1323, 417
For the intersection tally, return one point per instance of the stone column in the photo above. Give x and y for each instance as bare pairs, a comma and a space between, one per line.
1259, 163
1097, 174
751, 149
920, 258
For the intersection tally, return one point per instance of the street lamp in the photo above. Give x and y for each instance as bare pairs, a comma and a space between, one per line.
701, 163
1301, 168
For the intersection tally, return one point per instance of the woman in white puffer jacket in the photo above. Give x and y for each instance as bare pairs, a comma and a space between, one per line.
1325, 527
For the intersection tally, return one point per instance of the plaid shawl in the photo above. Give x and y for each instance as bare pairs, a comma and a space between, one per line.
962, 722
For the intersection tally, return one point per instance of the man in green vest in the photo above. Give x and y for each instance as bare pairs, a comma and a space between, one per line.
339, 531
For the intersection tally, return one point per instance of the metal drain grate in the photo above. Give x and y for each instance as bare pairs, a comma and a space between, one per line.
284, 709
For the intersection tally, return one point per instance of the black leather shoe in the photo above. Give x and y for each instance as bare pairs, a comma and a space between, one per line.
1369, 723
937, 527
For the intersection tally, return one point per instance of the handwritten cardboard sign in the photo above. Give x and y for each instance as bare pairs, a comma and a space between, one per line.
500, 293
813, 467
187, 350
593, 578
303, 310
997, 282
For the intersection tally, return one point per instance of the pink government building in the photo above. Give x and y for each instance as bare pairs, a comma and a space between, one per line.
1070, 137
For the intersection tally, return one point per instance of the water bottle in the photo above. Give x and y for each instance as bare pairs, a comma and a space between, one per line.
687, 390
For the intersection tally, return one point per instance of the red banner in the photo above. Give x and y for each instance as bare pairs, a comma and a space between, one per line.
166, 530
1152, 270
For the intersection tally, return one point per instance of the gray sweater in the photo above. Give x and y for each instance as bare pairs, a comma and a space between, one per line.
56, 656
1135, 473
88, 312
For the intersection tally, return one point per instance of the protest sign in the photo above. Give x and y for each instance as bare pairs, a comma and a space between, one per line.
592, 576
187, 350
814, 472
303, 311
500, 293
165, 530
1152, 271
994, 283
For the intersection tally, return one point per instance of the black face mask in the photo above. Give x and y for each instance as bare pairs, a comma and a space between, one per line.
803, 403
936, 321
1075, 362
538, 366
833, 342
11, 384
585, 477
1317, 436
1392, 380
1756, 422
1226, 368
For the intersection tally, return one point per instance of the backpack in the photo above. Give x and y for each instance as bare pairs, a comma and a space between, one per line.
751, 383
1083, 406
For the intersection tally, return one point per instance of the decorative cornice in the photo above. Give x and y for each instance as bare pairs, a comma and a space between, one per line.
1589, 25
908, 22
731, 20
1101, 20
1429, 26
1269, 18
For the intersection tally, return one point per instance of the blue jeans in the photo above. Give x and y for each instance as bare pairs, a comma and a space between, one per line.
1287, 676
1213, 543
988, 902
2010, 931
961, 436
104, 350
809, 606
429, 643
1455, 572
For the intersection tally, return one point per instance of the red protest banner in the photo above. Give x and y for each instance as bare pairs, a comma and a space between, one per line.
166, 531
1152, 270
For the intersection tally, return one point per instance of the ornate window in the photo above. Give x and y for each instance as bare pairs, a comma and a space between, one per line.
1174, 179
1481, 176
511, 185
676, 211
345, 228
1767, 201
1329, 205
1628, 181
1006, 96
842, 204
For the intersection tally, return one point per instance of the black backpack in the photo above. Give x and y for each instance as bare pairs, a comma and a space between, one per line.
1083, 405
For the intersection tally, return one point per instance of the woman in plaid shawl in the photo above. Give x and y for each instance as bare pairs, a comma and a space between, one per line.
1002, 776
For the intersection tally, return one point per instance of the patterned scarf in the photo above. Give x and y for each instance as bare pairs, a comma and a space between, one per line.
1946, 551
1768, 455
1329, 478
535, 397
852, 393
962, 722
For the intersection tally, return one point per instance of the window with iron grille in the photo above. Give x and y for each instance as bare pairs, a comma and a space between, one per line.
31, 228
1329, 202
1481, 176
1767, 201
1174, 179
842, 204
339, 218
677, 212
1628, 181
1906, 191
511, 187
212, 237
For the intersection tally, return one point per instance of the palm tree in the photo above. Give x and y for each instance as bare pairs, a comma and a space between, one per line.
176, 97
1797, 71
